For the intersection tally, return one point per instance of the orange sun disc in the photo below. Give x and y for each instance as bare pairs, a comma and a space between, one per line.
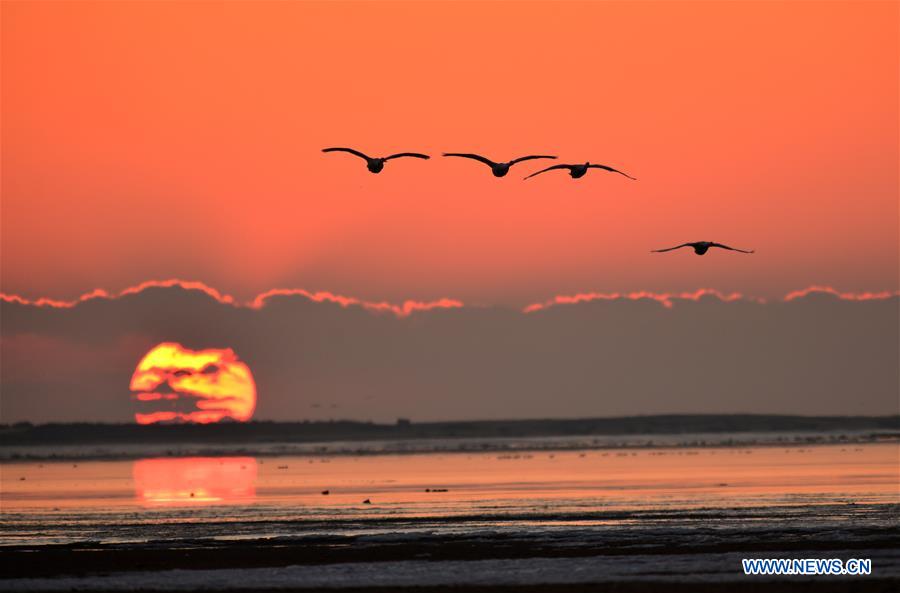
176, 384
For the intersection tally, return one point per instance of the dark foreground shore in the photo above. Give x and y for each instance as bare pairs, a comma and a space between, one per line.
765, 586
637, 574
88, 559
695, 560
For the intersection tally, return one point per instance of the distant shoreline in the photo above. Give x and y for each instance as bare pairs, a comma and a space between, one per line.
270, 439
342, 430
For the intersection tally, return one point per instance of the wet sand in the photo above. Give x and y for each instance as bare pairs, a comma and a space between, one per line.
678, 570
88, 559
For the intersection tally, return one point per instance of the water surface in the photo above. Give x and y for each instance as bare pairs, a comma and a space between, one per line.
565, 493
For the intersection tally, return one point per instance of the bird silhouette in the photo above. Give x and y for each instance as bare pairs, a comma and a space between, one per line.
576, 171
498, 169
376, 164
701, 247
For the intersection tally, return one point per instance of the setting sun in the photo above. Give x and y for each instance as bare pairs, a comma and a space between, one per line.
200, 386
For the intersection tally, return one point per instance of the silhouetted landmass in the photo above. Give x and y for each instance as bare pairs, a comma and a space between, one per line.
343, 430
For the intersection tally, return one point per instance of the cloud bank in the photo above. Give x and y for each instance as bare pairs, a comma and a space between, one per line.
320, 355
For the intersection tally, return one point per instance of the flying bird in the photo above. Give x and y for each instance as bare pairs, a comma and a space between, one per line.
701, 247
576, 171
375, 164
498, 169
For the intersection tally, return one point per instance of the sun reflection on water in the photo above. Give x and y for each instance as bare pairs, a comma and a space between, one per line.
195, 480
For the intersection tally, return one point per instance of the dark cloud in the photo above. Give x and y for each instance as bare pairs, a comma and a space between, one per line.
817, 353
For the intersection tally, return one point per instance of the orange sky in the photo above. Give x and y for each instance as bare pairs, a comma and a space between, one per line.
149, 140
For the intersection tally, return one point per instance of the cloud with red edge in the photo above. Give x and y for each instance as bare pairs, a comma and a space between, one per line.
666, 299
319, 355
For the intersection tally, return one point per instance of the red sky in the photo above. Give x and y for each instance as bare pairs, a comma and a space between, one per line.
147, 140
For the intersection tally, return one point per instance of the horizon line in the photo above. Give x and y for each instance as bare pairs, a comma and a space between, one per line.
414, 422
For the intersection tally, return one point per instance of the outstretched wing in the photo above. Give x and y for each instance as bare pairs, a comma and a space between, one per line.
549, 169
350, 150
729, 248
611, 170
469, 155
412, 154
671, 248
530, 157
